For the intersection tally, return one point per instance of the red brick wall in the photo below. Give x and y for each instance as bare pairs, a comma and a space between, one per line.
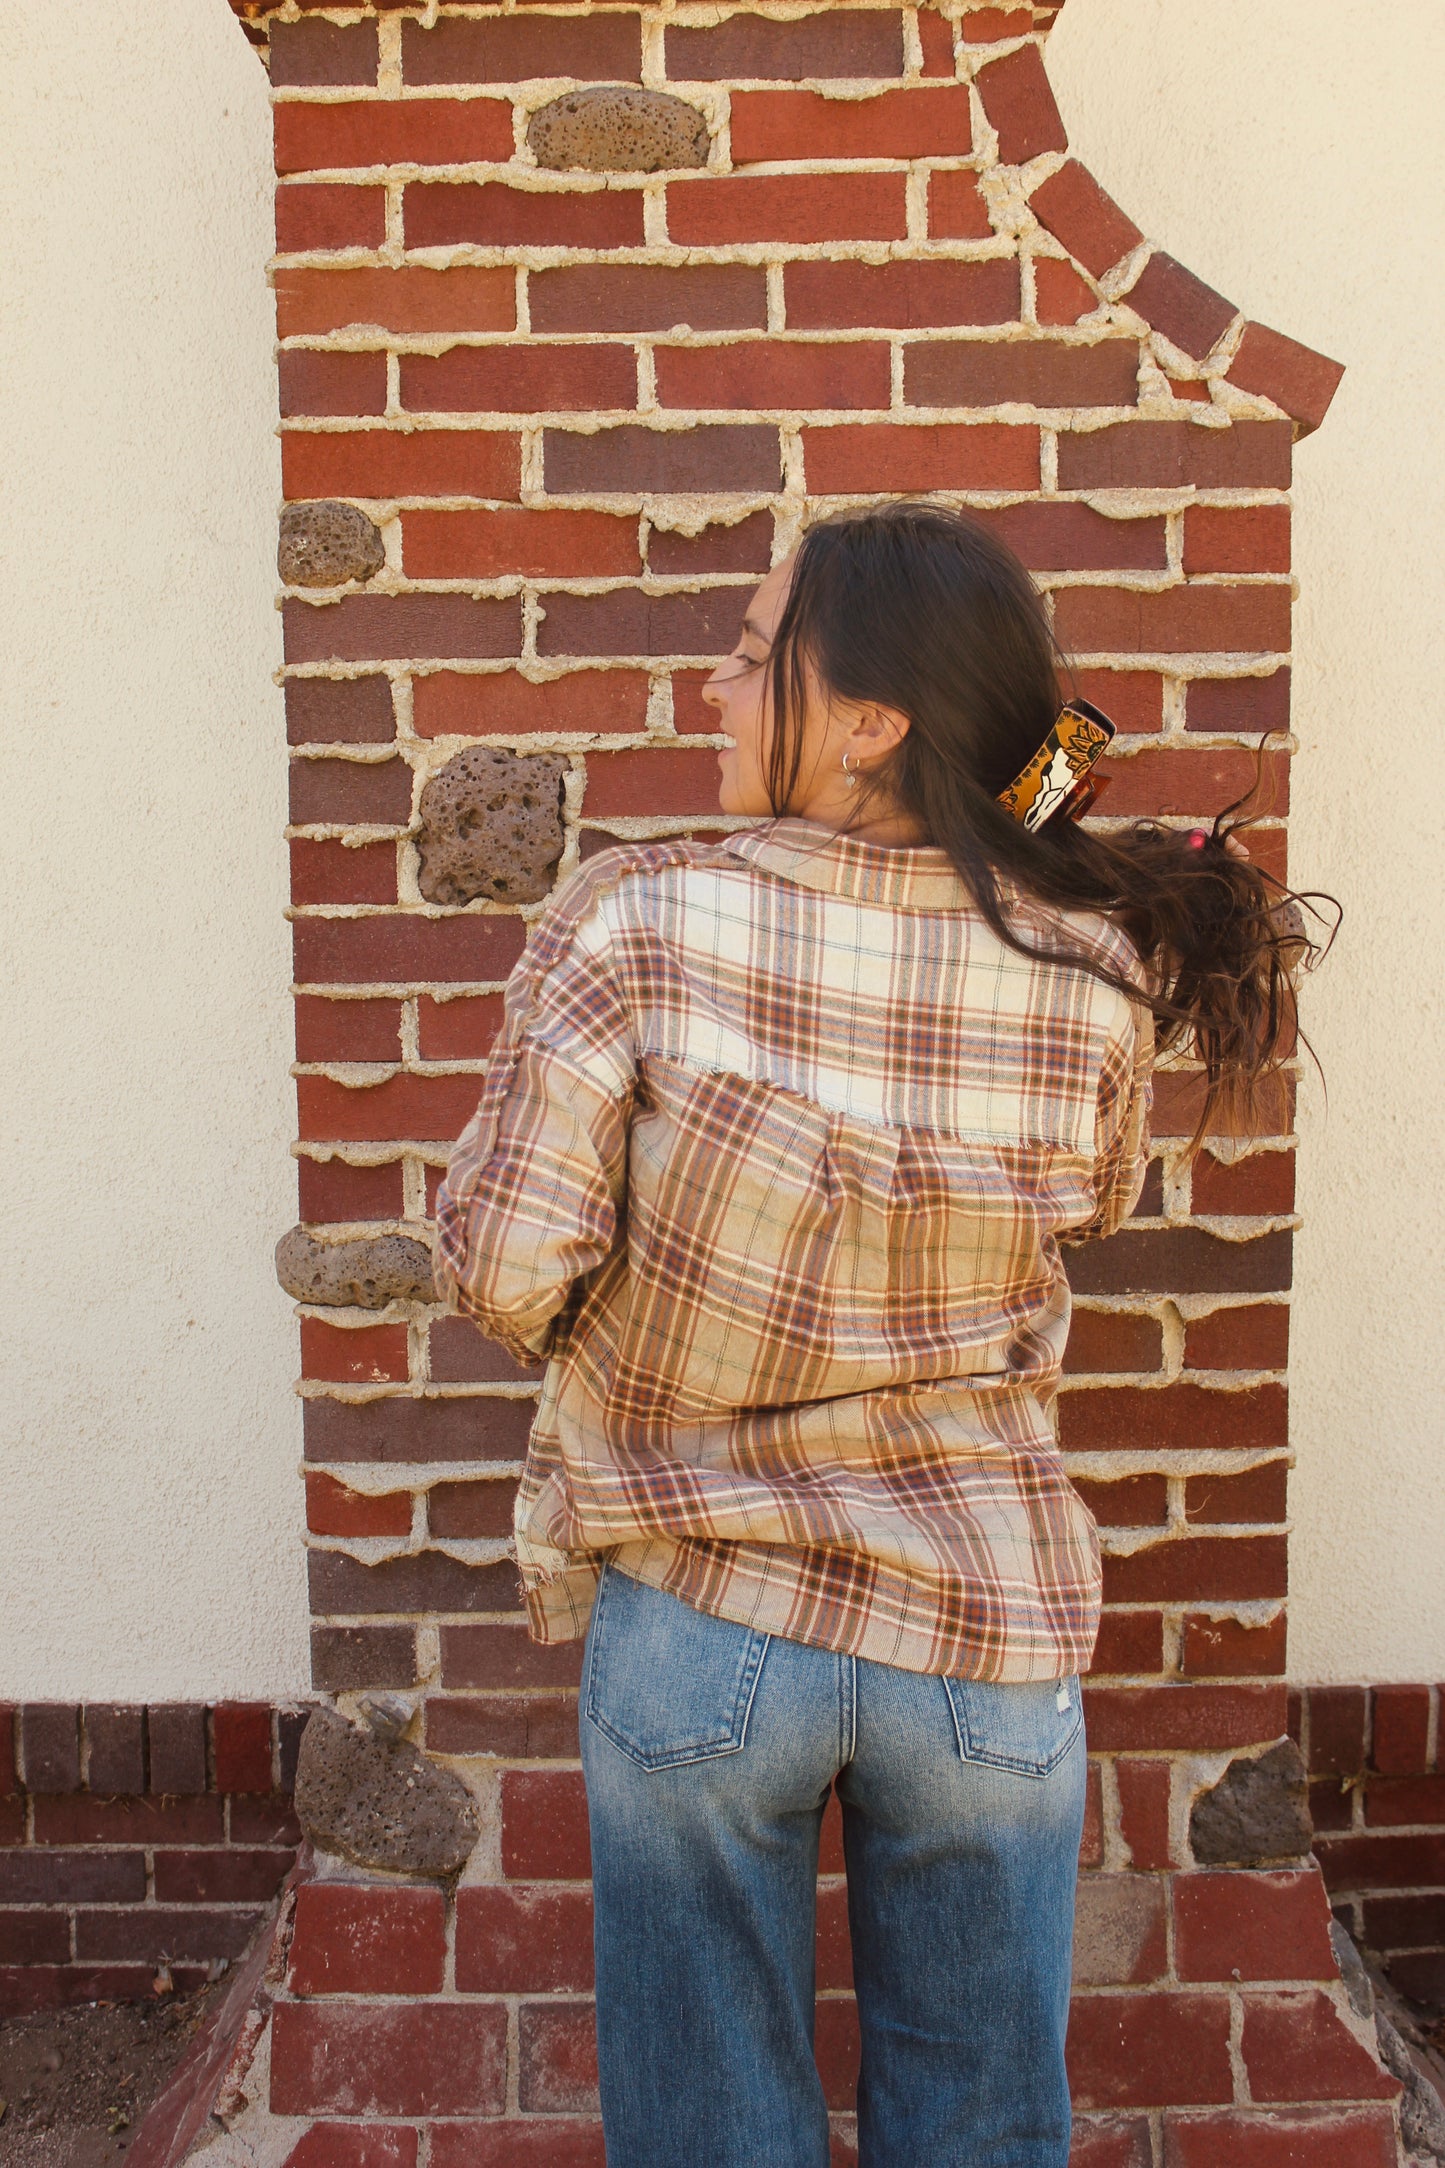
585, 412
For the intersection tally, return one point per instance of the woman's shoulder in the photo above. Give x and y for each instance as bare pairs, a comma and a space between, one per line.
629, 878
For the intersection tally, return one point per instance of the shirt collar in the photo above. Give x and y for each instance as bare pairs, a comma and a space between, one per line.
914, 879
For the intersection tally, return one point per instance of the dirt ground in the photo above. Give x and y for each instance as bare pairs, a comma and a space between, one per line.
75, 2083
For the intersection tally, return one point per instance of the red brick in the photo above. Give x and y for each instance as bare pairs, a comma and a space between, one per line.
444, 2059
1338, 1717
332, 711
799, 207
836, 2049
1172, 300
241, 1744
343, 1587
906, 296
956, 210
502, 1656
1185, 1417
1255, 1494
361, 2145
647, 297
1202, 783
394, 463
633, 458
945, 455
366, 1355
651, 781
257, 1818
1262, 1183
403, 1106
1358, 2138
629, 621
26, 1988
1194, 1718
347, 1030
1111, 2143
988, 26
1174, 620
1133, 699
344, 1658
1106, 1340
439, 214
50, 1746
471, 1509
534, 2142
523, 1941
1038, 372
1376, 1861
1139, 2051
32, 1938
519, 379
1228, 1648
1399, 1739
229, 1876
1254, 1337
746, 546
1144, 1787
1020, 105
1180, 1260
114, 1749
1293, 376
176, 1743
1393, 1923
1090, 224
32, 1876
360, 1941
445, 703
514, 49
315, 52
332, 872
1254, 1925
762, 373
1131, 1501
384, 628
1060, 295
1297, 2047
557, 2057
1052, 536
331, 1190
459, 1355
394, 947
334, 1509
391, 132
458, 1030
928, 123
851, 42
1129, 1644
153, 1935
329, 214
1120, 1930
1091, 1843
544, 1826
1165, 455
1225, 1568
935, 35
1402, 1801
1223, 538
400, 1428
516, 1727
350, 790
1245, 705
411, 298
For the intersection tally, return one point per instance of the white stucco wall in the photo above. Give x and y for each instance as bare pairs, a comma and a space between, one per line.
1290, 154
148, 1487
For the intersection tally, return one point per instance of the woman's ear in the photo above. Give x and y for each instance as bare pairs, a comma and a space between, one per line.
876, 732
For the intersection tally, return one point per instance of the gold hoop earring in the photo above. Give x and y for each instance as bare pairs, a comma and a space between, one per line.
848, 772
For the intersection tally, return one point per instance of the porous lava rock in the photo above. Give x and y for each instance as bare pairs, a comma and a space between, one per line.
616, 128
366, 1274
380, 1802
491, 825
326, 544
1257, 1813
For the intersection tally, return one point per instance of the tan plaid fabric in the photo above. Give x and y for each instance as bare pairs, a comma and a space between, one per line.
774, 1155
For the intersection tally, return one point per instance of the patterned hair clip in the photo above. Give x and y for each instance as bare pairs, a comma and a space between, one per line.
1058, 778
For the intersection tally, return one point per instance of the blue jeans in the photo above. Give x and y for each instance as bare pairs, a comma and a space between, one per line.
709, 1750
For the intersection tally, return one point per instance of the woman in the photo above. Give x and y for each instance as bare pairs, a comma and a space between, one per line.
776, 1151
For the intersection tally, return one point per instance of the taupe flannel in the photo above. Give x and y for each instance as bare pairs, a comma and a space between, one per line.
775, 1152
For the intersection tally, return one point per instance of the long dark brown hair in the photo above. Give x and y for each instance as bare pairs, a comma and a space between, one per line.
917, 607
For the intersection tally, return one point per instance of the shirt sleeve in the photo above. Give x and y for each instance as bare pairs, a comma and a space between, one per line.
1121, 1127
535, 1187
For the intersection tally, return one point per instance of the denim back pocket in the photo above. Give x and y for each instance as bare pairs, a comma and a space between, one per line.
665, 1683
1028, 1727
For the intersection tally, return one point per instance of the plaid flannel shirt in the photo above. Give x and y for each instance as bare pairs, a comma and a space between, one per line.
775, 1152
